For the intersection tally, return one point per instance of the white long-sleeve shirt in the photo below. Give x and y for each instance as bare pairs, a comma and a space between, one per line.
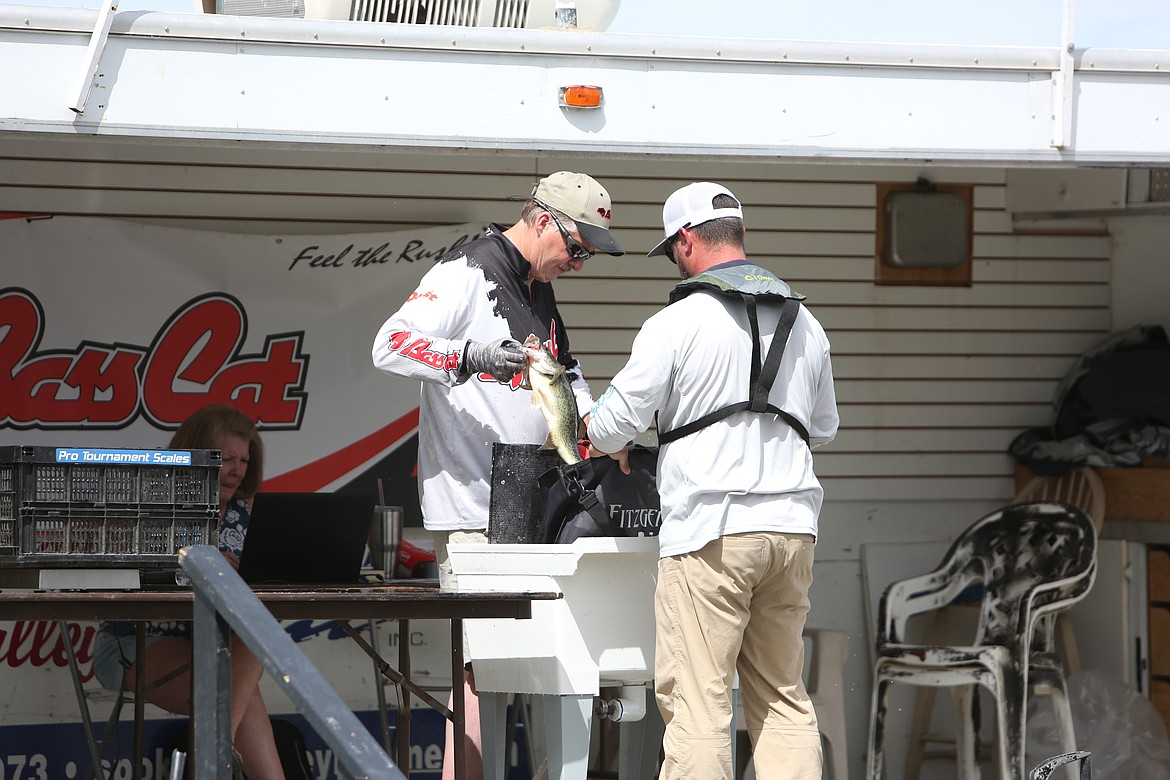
749, 472
480, 292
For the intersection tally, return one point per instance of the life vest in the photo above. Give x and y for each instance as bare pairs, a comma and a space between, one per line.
751, 284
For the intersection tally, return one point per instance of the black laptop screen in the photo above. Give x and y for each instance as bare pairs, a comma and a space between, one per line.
306, 539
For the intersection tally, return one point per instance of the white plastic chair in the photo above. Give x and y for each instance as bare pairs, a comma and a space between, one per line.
1082, 488
826, 689
1033, 560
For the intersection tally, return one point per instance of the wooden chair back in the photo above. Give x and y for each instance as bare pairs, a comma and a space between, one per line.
1080, 487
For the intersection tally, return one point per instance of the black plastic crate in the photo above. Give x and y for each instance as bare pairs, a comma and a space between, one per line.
88, 506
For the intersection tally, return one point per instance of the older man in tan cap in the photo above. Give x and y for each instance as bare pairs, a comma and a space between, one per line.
459, 333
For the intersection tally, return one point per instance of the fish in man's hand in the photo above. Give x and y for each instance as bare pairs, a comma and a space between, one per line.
552, 392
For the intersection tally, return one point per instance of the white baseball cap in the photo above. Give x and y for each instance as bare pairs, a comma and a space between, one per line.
584, 201
692, 205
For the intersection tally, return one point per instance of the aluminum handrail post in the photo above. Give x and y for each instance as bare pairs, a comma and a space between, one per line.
212, 695
216, 582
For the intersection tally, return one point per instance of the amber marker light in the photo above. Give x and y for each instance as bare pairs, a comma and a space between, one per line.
581, 96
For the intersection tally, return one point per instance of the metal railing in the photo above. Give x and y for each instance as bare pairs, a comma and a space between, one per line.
224, 604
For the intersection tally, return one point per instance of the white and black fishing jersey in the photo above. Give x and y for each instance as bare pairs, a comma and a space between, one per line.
477, 292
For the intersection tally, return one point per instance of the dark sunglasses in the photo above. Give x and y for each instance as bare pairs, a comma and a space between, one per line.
669, 248
575, 250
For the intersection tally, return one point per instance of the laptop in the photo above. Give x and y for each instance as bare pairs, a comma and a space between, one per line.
306, 539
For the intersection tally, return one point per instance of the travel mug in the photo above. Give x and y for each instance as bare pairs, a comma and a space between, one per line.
386, 538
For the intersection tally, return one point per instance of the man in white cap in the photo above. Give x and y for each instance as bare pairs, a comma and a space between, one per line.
737, 372
459, 333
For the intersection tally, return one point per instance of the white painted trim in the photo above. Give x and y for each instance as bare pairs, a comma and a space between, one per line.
567, 43
340, 84
93, 55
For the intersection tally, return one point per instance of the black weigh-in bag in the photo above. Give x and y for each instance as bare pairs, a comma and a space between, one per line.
594, 498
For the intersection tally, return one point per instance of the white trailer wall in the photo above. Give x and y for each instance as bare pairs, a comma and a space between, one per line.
933, 382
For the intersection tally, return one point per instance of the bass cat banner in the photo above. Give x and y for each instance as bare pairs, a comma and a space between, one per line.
112, 332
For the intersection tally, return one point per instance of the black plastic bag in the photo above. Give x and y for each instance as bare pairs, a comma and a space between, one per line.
594, 498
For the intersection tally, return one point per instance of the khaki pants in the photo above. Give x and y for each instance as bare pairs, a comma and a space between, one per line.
738, 603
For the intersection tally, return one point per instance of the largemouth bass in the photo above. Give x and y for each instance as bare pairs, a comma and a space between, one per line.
553, 394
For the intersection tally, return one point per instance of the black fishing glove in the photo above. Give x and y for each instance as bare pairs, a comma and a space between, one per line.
502, 359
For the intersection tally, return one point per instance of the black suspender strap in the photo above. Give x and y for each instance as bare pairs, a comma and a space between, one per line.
754, 322
763, 386
762, 378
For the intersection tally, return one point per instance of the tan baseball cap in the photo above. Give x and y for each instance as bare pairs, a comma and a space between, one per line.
584, 201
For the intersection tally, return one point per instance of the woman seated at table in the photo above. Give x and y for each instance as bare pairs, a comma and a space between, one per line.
168, 644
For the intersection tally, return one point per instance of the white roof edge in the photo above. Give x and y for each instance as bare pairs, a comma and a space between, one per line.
556, 42
966, 157
207, 79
